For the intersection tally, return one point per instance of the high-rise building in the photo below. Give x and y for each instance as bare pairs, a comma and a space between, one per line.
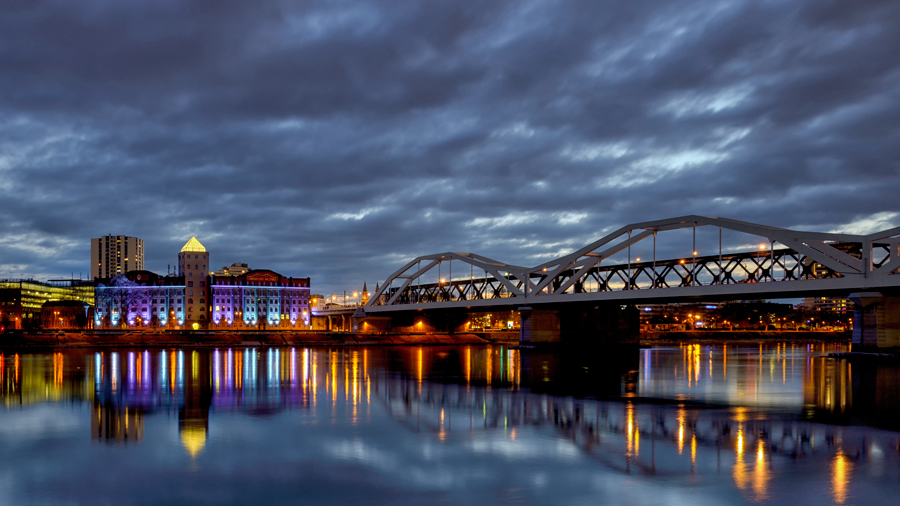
112, 255
193, 265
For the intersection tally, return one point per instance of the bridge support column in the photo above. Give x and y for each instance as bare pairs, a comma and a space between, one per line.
364, 324
876, 321
601, 324
538, 325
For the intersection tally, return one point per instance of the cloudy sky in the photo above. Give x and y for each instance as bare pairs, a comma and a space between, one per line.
338, 139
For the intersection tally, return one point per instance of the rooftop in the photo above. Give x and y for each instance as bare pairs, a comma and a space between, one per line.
193, 245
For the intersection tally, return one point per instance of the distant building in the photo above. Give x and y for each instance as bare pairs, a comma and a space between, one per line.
193, 299
65, 314
193, 266
235, 269
836, 305
364, 295
116, 254
21, 300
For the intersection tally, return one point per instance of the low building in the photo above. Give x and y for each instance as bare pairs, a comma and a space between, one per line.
65, 314
142, 299
260, 299
21, 299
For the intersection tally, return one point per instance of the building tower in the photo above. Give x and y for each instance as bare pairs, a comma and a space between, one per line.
193, 264
112, 255
364, 296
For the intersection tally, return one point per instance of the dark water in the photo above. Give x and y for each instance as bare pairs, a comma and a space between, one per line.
774, 424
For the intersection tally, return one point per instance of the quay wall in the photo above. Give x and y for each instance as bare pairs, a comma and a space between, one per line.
125, 339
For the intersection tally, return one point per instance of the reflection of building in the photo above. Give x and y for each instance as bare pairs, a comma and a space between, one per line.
114, 424
116, 254
193, 266
65, 314
193, 417
21, 300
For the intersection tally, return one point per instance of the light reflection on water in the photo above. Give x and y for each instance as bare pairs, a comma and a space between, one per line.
766, 423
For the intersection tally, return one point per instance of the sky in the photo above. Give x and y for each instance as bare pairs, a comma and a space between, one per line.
339, 139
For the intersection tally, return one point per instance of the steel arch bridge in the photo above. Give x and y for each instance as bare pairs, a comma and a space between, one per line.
793, 263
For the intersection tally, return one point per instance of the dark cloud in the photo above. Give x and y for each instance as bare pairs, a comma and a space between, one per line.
336, 140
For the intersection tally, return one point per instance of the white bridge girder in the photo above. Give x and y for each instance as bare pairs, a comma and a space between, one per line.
558, 280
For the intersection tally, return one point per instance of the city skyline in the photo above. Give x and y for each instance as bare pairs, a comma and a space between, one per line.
338, 141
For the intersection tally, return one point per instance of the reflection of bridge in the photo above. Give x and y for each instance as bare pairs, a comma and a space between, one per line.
628, 437
788, 263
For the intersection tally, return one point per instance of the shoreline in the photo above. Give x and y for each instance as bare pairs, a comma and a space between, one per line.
120, 339
250, 339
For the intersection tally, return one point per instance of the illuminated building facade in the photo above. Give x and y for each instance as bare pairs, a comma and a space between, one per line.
837, 305
193, 266
21, 300
140, 298
260, 298
116, 254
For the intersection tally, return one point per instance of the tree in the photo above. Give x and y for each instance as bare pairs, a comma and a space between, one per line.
121, 297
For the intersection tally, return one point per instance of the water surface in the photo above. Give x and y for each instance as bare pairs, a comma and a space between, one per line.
692, 424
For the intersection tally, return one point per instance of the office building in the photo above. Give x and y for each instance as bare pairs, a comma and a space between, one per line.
112, 255
21, 300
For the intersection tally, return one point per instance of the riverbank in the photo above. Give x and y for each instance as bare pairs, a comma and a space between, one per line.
740, 336
145, 339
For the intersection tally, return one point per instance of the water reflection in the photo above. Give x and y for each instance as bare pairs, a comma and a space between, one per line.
754, 415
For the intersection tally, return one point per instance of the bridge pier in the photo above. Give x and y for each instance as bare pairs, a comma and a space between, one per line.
538, 326
580, 324
605, 324
876, 321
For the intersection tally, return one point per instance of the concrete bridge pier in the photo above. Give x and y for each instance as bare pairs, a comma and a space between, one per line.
876, 321
581, 324
538, 326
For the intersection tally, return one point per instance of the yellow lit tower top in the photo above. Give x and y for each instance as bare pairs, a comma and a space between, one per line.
193, 245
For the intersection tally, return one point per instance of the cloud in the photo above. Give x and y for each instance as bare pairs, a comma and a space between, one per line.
332, 139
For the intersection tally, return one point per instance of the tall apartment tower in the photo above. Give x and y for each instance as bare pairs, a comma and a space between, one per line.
193, 264
116, 254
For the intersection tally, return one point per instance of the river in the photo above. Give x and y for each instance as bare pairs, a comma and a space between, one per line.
771, 423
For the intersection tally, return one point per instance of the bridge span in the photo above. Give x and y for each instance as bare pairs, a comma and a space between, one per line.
779, 263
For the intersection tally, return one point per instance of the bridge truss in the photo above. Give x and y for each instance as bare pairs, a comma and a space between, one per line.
789, 263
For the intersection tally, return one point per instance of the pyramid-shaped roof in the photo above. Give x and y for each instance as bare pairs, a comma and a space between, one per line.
193, 245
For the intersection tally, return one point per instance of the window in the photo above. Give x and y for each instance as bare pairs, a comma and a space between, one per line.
189, 266
190, 283
202, 301
190, 292
203, 283
190, 301
191, 274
